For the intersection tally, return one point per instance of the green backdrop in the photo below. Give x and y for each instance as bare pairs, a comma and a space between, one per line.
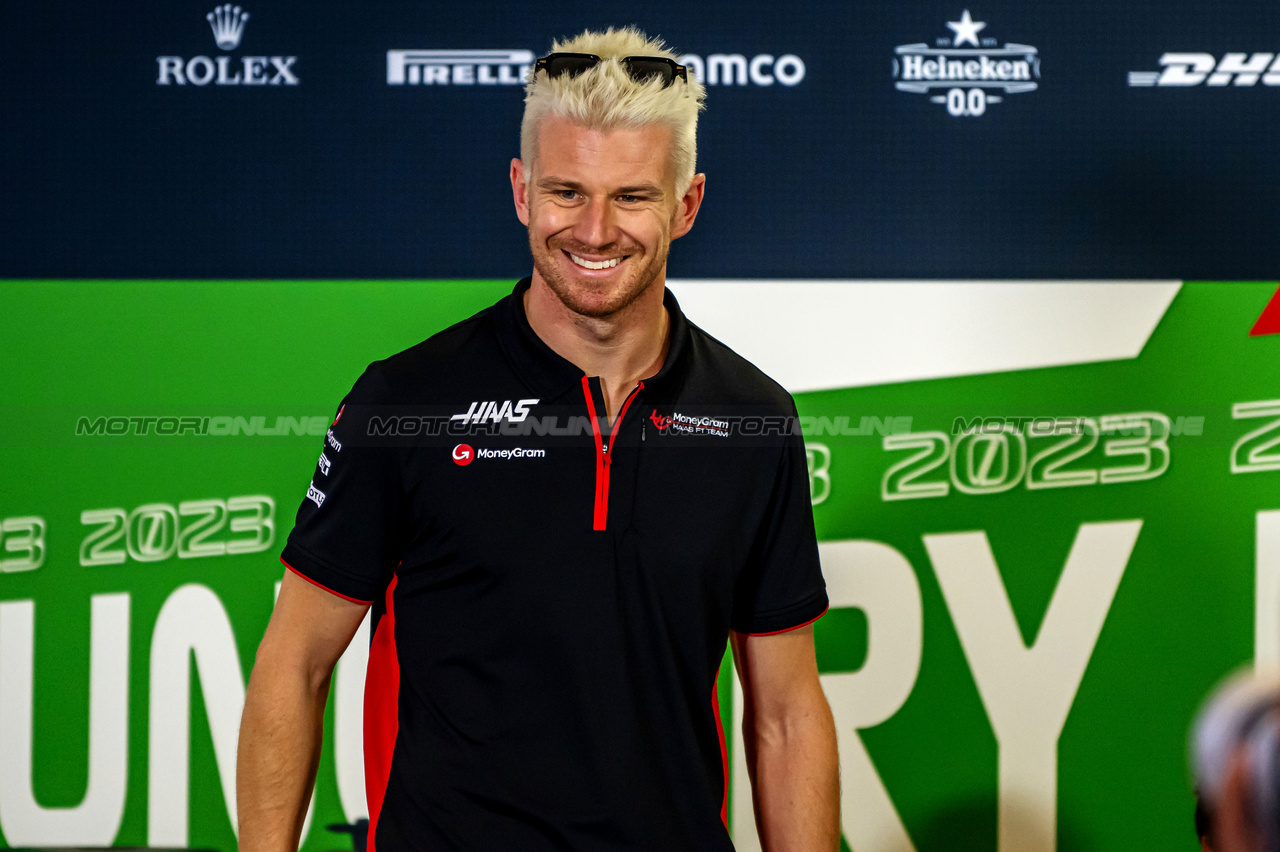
995, 578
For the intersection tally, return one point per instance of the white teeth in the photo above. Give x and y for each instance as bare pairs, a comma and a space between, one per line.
596, 264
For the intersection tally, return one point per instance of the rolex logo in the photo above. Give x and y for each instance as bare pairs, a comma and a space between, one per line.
228, 25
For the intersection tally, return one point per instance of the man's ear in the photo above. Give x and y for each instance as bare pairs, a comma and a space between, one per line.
688, 205
520, 191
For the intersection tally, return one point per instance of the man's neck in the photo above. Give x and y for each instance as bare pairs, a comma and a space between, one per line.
621, 349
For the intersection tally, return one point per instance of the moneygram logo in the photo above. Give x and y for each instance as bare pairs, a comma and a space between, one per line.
228, 24
691, 424
1182, 70
974, 76
516, 453
511, 67
465, 454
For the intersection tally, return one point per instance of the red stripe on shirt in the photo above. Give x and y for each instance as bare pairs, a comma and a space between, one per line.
381, 712
724, 757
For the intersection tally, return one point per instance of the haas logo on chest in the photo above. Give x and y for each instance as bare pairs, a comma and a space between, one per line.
496, 412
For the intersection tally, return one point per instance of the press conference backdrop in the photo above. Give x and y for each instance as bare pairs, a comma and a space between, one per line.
1048, 512
871, 140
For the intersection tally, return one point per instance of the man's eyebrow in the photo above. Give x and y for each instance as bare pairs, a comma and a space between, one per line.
640, 189
556, 183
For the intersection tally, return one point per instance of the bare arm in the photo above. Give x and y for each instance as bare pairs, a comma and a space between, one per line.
284, 710
790, 741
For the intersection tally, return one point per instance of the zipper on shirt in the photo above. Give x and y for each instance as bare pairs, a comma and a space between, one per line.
600, 515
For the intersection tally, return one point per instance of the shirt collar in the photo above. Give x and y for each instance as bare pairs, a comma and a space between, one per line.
547, 373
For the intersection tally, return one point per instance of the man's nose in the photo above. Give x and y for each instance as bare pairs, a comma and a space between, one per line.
596, 226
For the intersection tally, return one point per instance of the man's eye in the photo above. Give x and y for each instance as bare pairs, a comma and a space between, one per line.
567, 194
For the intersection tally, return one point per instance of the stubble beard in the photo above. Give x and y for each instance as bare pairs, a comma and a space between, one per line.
587, 301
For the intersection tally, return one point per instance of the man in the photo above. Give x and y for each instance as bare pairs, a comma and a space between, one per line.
1235, 757
554, 575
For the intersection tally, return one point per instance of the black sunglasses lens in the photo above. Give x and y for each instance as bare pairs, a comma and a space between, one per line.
571, 65
643, 70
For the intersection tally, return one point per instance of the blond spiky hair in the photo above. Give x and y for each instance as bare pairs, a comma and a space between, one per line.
605, 97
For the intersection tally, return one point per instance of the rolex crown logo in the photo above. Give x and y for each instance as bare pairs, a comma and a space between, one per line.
228, 25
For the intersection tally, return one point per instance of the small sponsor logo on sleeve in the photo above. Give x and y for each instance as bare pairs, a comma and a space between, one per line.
315, 495
324, 464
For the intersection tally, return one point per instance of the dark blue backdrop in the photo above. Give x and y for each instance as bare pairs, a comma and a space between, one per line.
107, 174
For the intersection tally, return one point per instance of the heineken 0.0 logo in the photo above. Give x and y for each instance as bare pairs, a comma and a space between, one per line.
965, 72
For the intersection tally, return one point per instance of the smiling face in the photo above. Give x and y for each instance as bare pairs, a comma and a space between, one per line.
602, 210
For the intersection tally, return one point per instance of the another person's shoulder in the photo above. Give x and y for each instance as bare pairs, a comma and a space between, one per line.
722, 376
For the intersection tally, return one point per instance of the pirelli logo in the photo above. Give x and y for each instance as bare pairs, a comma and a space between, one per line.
458, 67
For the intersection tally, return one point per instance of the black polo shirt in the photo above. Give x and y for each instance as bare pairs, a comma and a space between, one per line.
552, 593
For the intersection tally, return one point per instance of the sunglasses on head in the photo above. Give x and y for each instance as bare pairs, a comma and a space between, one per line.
642, 69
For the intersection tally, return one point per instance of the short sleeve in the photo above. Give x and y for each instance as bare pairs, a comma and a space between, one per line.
346, 537
781, 588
